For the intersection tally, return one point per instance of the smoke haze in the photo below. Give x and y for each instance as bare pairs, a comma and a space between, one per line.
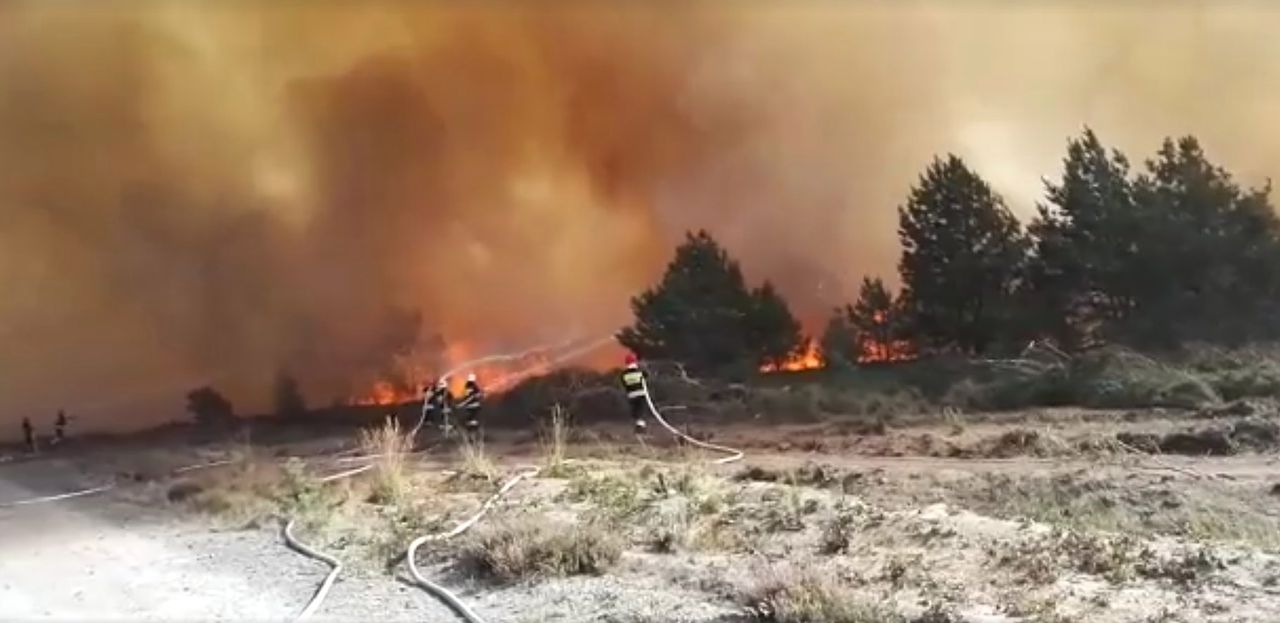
211, 192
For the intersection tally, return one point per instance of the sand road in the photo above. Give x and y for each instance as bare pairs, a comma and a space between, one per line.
103, 557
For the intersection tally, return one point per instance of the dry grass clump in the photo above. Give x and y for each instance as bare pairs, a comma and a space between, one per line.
240, 494
388, 447
785, 596
536, 547
555, 442
253, 490
476, 463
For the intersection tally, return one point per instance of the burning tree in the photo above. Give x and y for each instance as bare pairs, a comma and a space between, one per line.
962, 254
703, 315
872, 330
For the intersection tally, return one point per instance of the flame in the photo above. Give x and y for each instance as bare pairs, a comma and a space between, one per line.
885, 351
808, 359
385, 393
412, 375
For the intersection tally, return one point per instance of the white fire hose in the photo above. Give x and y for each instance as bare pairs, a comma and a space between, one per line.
449, 597
439, 591
60, 496
335, 565
734, 455
103, 488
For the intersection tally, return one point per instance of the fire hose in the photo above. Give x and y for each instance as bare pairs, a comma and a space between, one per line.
733, 454
103, 488
440, 592
448, 596
335, 566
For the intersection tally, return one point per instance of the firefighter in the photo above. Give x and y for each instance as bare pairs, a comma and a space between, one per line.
443, 400
633, 383
28, 435
60, 427
472, 395
428, 402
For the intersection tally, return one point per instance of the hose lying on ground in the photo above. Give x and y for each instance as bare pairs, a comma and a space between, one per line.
451, 599
60, 496
734, 455
335, 567
104, 488
439, 591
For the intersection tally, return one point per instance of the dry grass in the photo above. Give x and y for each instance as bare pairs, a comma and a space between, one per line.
555, 443
253, 489
786, 596
475, 462
389, 447
536, 547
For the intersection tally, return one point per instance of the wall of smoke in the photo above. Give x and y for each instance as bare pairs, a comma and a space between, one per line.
210, 192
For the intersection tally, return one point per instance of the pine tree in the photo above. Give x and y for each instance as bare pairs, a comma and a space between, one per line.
773, 334
1207, 267
876, 321
1178, 253
1085, 243
839, 339
703, 315
962, 254
288, 397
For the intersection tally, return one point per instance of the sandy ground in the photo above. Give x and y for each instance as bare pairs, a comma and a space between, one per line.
128, 555
105, 557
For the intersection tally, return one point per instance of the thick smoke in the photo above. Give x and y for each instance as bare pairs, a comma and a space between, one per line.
211, 192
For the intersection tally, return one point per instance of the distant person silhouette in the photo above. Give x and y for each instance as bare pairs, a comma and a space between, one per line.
60, 427
28, 435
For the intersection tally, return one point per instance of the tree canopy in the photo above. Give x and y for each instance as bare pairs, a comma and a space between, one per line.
703, 314
962, 254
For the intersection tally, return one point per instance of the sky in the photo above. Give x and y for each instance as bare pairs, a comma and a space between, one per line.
213, 193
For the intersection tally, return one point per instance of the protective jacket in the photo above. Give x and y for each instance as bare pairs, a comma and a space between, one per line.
633, 381
472, 395
438, 400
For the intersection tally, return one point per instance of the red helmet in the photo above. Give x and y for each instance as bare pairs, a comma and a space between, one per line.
631, 358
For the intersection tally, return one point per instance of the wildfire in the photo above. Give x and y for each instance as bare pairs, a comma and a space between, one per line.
886, 352
884, 349
385, 393
413, 376
808, 359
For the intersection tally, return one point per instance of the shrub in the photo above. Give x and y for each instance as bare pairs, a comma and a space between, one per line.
808, 597
529, 547
389, 446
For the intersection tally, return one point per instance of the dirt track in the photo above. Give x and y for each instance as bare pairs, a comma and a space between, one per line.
106, 557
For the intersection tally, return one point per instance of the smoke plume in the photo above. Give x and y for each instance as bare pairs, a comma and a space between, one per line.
210, 192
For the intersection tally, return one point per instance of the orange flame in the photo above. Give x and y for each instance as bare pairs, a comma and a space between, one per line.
810, 358
385, 393
885, 350
493, 376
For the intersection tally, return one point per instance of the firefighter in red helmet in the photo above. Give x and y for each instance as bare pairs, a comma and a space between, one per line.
634, 384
